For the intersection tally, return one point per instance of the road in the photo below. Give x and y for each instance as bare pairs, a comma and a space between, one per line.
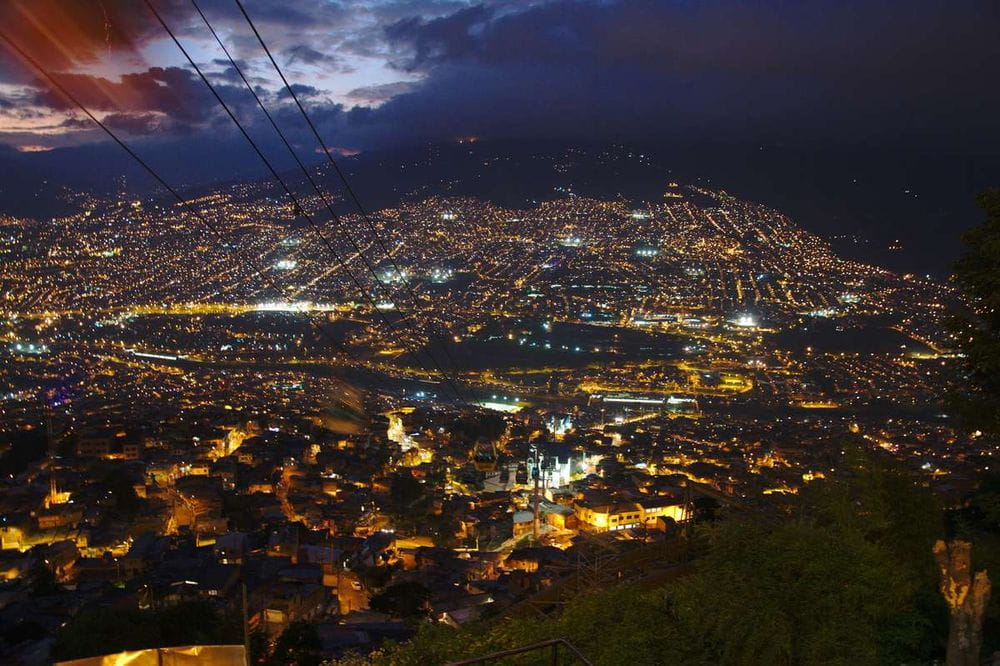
349, 598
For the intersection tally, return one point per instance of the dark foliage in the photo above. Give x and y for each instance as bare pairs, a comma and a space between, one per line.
977, 272
100, 631
848, 577
473, 427
406, 599
298, 645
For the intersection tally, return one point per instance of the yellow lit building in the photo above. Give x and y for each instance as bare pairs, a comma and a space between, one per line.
607, 517
625, 515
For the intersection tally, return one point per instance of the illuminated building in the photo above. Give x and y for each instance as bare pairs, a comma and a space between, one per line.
616, 516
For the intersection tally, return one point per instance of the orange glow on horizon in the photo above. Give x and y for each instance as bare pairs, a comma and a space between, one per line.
33, 148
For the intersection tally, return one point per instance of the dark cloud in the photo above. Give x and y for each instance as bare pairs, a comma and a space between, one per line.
373, 95
78, 123
811, 72
298, 14
443, 39
222, 71
174, 91
808, 71
301, 91
17, 98
305, 54
135, 123
728, 36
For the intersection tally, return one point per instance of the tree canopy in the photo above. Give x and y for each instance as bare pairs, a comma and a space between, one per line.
977, 273
847, 578
405, 599
298, 645
100, 631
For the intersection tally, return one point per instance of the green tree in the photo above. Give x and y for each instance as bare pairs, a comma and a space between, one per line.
374, 578
977, 273
43, 579
443, 528
405, 490
981, 511
100, 631
20, 450
977, 330
795, 592
473, 427
105, 631
298, 645
125, 503
258, 647
847, 578
194, 623
406, 599
705, 509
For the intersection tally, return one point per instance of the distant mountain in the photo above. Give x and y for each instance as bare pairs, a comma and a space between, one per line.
905, 211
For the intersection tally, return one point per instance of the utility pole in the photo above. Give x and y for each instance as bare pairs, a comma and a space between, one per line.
49, 439
689, 520
246, 627
537, 474
338, 566
50, 451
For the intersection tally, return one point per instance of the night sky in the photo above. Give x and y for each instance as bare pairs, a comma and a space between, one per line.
866, 76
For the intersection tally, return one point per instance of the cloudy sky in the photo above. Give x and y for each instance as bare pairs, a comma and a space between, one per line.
382, 73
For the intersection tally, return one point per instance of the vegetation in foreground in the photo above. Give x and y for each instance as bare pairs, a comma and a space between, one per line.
846, 577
